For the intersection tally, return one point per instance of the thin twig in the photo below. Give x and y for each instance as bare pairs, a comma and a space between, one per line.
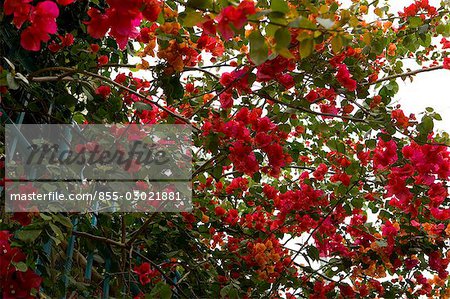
407, 74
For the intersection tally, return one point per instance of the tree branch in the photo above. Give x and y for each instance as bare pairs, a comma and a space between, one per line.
105, 79
99, 238
407, 74
306, 110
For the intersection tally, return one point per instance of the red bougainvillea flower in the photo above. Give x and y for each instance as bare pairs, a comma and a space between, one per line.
141, 185
121, 78
236, 79
4, 241
98, 25
152, 8
243, 158
15, 284
211, 44
344, 78
226, 100
44, 17
102, 60
43, 22
385, 154
31, 39
21, 283
104, 91
20, 8
65, 2
236, 16
319, 173
95, 48
447, 63
445, 43
287, 81
400, 118
66, 41
238, 183
145, 272
341, 177
121, 19
23, 218
219, 211
418, 5
328, 109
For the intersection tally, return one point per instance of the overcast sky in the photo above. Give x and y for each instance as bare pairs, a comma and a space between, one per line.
429, 89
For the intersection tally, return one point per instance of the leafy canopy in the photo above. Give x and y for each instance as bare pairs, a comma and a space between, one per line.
308, 181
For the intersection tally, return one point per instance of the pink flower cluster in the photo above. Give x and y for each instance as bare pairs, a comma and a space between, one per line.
121, 19
42, 19
15, 283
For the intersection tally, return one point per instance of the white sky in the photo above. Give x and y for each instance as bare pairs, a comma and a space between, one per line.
427, 90
430, 89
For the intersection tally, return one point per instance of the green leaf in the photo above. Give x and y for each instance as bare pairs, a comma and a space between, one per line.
79, 118
444, 30
192, 18
63, 220
426, 126
271, 29
371, 143
436, 116
66, 100
227, 291
217, 172
45, 216
313, 253
306, 48
21, 266
161, 290
200, 4
282, 38
303, 23
381, 243
393, 86
336, 44
280, 6
57, 231
140, 106
258, 48
440, 29
415, 22
257, 177
165, 292
410, 43
358, 202
173, 89
28, 235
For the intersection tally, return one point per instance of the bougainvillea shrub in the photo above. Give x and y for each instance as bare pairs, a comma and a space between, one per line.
308, 180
